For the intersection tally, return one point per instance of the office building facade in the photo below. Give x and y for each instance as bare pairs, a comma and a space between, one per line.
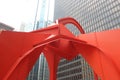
94, 16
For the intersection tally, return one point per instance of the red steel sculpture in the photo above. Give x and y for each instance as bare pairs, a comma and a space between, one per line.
20, 50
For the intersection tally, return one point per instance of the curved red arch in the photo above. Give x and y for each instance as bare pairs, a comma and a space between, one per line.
68, 20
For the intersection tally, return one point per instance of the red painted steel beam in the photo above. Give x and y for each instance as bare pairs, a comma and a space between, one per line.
20, 50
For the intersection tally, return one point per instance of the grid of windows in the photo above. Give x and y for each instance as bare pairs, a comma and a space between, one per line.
68, 70
93, 15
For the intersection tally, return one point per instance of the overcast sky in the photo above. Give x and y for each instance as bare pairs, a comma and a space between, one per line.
13, 12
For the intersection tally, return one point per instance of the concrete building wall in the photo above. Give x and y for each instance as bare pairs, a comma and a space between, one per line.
93, 15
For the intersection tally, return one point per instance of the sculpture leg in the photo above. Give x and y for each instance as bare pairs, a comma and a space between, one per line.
95, 76
23, 65
53, 61
99, 62
102, 51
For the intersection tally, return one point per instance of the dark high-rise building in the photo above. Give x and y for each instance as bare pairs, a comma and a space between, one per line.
93, 15
5, 27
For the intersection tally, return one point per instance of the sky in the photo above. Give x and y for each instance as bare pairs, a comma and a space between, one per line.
15, 12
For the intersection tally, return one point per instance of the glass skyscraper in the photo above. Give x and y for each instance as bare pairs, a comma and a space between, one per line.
93, 15
42, 7
40, 70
